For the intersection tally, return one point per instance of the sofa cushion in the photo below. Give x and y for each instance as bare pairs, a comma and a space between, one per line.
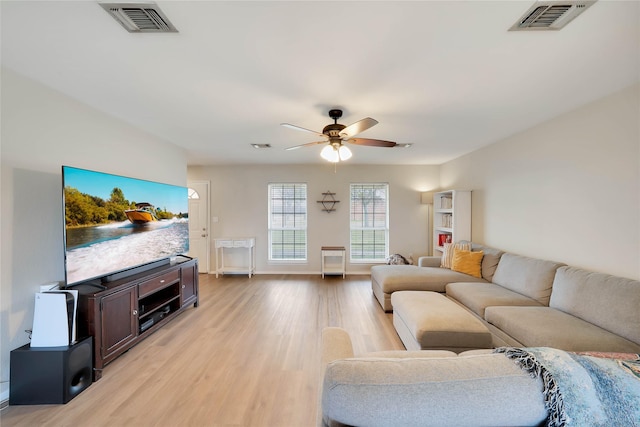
393, 278
613, 303
450, 391
490, 259
467, 262
527, 276
549, 327
478, 296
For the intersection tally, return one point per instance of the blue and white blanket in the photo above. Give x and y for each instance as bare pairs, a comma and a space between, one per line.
582, 390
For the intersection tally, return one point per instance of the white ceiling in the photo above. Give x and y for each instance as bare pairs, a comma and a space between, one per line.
445, 76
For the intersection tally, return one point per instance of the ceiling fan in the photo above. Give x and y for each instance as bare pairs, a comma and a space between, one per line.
336, 134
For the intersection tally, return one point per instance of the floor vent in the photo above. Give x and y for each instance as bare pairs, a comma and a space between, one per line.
140, 17
550, 15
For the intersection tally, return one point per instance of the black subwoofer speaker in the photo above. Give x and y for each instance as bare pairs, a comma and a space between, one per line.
46, 375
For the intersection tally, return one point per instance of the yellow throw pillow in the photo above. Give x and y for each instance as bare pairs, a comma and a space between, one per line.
467, 262
447, 253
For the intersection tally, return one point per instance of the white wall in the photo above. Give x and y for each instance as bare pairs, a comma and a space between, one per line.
41, 131
566, 190
239, 200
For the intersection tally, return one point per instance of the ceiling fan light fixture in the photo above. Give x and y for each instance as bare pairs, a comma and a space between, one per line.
330, 154
336, 135
344, 152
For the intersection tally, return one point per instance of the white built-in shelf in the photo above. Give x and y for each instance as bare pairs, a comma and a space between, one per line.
451, 218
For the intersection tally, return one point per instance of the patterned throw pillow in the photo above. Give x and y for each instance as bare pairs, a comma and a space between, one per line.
447, 253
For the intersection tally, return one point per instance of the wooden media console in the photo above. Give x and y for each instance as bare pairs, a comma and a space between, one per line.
133, 307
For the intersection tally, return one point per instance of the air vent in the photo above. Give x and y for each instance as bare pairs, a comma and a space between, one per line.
550, 15
140, 17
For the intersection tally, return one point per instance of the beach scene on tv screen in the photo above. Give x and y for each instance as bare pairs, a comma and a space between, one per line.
113, 223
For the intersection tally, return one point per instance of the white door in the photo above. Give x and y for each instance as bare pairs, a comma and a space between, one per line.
199, 223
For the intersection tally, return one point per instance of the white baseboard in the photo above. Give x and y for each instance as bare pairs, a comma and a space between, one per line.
349, 273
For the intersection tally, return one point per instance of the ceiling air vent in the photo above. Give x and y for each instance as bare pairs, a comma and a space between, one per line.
140, 17
550, 15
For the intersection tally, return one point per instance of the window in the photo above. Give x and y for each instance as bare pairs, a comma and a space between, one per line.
369, 223
287, 222
192, 194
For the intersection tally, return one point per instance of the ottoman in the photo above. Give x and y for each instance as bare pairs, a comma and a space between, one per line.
429, 320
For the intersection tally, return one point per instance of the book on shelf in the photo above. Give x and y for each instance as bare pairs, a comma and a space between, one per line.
446, 202
444, 238
447, 221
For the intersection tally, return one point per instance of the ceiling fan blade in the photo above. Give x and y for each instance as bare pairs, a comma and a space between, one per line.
357, 127
308, 144
371, 142
294, 127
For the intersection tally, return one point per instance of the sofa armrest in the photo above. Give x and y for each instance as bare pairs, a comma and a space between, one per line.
429, 261
336, 344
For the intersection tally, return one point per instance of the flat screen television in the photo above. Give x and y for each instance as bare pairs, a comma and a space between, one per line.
115, 225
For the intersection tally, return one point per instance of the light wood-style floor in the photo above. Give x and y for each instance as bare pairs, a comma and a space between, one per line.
249, 355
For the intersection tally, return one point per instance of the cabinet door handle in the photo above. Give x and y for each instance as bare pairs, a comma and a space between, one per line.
162, 281
184, 286
135, 312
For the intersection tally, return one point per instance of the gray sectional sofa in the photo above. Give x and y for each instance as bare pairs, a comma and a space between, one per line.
519, 303
526, 302
479, 388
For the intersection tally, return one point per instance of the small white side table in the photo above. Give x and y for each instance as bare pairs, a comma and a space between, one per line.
249, 243
333, 260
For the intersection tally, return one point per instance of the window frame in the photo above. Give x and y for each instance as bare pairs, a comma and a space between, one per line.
297, 226
384, 227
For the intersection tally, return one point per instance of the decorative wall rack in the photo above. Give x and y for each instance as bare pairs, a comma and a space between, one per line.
328, 202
